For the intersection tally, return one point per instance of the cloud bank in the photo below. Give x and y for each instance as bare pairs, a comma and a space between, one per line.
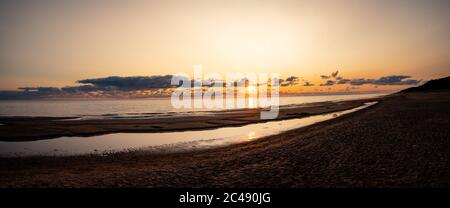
334, 79
148, 86
129, 83
117, 87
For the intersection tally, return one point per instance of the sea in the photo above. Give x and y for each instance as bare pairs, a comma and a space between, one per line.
135, 108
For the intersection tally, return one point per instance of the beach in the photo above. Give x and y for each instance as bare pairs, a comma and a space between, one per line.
27, 128
403, 141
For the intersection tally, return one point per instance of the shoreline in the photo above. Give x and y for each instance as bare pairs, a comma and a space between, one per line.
168, 142
38, 128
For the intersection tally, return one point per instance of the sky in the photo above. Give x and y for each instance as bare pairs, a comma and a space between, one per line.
55, 43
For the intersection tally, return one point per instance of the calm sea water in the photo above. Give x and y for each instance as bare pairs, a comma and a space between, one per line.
132, 108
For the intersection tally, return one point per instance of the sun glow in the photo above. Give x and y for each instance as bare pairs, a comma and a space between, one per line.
251, 135
251, 89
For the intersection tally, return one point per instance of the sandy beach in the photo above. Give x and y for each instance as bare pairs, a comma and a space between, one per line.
403, 141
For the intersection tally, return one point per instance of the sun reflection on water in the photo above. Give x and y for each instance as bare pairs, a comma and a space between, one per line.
250, 136
252, 102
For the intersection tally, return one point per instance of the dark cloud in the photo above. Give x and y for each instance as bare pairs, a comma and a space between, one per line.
136, 86
108, 87
328, 83
130, 83
334, 74
396, 80
306, 83
343, 81
292, 80
388, 80
82, 88
31, 93
40, 89
123, 87
361, 81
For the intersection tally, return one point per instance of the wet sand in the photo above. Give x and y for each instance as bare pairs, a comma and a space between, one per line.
403, 141
37, 128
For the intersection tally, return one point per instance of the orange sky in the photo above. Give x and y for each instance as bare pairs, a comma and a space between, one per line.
51, 43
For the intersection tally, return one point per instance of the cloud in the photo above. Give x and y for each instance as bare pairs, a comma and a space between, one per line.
81, 88
396, 80
120, 87
130, 83
387, 80
343, 81
307, 84
114, 86
292, 80
328, 83
31, 93
142, 86
348, 88
361, 81
334, 74
40, 89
